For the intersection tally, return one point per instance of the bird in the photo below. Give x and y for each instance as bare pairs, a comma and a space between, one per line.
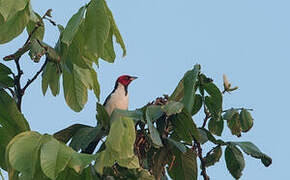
117, 99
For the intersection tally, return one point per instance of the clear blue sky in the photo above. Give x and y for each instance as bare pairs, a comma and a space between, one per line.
247, 40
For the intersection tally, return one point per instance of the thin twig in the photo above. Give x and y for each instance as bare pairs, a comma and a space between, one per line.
239, 109
202, 161
34, 77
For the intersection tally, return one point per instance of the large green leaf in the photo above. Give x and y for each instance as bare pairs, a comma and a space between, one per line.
73, 26
95, 83
211, 138
214, 101
50, 77
12, 122
8, 8
177, 144
14, 25
34, 19
252, 150
116, 32
216, 126
75, 87
160, 159
154, 134
172, 107
235, 161
197, 104
83, 137
23, 152
189, 82
246, 120
97, 26
119, 146
185, 127
184, 166
54, 158
66, 134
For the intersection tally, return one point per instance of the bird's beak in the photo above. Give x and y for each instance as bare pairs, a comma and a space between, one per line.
132, 78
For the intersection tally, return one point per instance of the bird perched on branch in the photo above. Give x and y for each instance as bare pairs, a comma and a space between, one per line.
117, 99
119, 96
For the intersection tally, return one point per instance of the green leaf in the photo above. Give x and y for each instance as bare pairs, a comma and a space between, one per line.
95, 84
216, 126
197, 104
54, 158
211, 138
23, 152
36, 51
6, 81
246, 120
75, 87
102, 116
109, 53
214, 101
12, 122
66, 134
178, 145
184, 166
235, 161
213, 157
4, 70
80, 161
160, 159
154, 135
73, 26
172, 107
116, 32
39, 33
229, 114
9, 8
252, 150
203, 136
189, 82
14, 25
185, 127
234, 125
136, 115
119, 145
50, 77
83, 137
97, 26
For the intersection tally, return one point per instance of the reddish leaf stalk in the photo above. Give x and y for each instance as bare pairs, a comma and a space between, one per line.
202, 161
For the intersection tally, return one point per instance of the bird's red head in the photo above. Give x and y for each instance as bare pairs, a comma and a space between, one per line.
126, 79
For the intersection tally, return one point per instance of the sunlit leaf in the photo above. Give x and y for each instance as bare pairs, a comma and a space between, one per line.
50, 77
14, 25
9, 8
36, 50
73, 26
96, 27
39, 33
172, 107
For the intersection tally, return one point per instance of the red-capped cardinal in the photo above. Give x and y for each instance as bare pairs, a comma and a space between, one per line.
117, 99
119, 96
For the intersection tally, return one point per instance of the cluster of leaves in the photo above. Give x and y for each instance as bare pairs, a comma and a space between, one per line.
141, 144
87, 37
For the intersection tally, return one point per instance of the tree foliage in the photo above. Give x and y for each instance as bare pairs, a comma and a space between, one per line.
142, 144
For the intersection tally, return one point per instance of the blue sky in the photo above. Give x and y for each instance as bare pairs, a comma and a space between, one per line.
247, 40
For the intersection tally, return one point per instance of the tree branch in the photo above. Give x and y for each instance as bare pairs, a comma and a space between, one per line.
202, 161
